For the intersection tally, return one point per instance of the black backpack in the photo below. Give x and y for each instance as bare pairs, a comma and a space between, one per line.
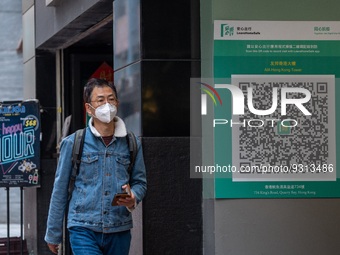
78, 150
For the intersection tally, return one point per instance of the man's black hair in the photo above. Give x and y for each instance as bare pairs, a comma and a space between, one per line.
95, 82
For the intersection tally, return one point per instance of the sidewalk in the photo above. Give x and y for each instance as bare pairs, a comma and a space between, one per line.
14, 230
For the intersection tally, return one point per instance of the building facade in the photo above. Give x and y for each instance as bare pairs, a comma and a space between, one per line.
153, 54
11, 76
154, 48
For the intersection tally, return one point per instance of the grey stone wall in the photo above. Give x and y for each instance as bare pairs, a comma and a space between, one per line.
11, 85
11, 71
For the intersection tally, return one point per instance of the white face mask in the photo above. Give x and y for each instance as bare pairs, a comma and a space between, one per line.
105, 113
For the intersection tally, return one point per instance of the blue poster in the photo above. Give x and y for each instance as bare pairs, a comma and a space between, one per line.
19, 143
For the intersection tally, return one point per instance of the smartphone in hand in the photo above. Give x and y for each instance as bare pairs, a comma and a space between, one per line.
121, 195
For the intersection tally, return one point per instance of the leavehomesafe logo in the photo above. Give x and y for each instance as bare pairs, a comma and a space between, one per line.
238, 104
228, 30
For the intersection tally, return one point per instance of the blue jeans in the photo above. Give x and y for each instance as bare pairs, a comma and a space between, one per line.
87, 242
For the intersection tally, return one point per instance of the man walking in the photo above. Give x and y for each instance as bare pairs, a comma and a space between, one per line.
95, 226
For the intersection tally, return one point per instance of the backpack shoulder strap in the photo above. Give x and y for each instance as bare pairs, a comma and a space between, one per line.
78, 148
77, 151
132, 143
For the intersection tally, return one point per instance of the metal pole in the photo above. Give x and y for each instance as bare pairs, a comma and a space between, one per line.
21, 221
8, 219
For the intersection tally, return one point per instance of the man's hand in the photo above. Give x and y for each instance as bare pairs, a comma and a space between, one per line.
53, 247
129, 202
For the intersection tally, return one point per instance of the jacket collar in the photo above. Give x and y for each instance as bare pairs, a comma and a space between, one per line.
120, 129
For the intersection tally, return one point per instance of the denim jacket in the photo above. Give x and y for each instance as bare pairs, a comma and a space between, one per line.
102, 173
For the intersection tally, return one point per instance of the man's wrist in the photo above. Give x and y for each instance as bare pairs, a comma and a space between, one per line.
130, 209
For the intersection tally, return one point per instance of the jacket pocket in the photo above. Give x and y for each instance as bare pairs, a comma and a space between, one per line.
122, 163
85, 195
89, 168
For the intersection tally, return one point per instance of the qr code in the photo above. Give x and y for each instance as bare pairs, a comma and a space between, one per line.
284, 140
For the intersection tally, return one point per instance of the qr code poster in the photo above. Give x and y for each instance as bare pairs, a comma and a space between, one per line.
275, 133
294, 139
